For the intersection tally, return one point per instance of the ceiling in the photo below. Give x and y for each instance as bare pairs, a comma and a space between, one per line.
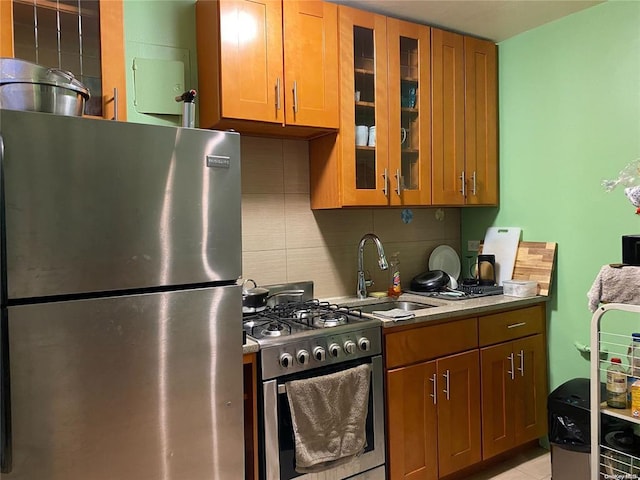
495, 20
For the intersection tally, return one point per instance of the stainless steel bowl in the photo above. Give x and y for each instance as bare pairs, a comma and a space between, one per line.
28, 86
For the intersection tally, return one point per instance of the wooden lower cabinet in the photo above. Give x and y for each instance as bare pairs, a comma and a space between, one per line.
463, 391
434, 417
514, 390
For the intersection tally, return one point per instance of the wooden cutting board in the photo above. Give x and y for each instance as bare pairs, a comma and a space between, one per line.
535, 261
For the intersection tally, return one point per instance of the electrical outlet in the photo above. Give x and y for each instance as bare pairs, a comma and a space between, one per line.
473, 245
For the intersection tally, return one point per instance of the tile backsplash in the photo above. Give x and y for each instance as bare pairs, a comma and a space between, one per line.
283, 240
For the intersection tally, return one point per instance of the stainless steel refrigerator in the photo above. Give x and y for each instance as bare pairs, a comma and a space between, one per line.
121, 313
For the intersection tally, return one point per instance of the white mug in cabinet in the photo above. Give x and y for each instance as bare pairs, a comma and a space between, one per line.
362, 132
372, 136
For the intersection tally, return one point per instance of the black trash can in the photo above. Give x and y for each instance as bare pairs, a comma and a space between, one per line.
569, 411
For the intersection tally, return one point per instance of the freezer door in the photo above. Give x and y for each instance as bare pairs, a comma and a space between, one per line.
142, 387
97, 206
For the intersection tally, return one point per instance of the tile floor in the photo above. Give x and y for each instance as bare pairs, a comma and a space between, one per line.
534, 464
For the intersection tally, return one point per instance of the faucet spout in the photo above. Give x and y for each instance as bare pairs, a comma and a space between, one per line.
382, 262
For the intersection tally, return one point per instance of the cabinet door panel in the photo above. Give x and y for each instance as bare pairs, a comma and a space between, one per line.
447, 84
363, 67
531, 377
480, 122
6, 29
409, 48
459, 437
412, 427
311, 63
102, 69
498, 429
251, 59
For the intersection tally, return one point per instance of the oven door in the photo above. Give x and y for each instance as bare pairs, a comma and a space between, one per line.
279, 444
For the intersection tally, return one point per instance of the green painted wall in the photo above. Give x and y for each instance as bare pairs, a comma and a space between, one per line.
569, 95
162, 30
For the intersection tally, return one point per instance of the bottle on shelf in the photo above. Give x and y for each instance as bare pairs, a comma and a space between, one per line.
635, 399
616, 384
395, 288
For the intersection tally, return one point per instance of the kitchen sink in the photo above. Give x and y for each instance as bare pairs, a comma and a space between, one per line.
390, 305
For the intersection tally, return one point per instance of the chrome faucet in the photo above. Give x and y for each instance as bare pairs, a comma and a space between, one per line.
382, 262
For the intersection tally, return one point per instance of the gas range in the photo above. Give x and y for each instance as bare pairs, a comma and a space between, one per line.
299, 336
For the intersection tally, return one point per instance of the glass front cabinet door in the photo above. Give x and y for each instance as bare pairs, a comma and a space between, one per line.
364, 114
84, 37
382, 155
409, 113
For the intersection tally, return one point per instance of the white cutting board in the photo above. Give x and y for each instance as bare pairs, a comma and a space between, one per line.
503, 243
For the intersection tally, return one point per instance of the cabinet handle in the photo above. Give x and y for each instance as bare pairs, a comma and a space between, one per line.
516, 325
115, 103
278, 94
386, 181
295, 96
463, 190
398, 182
511, 372
473, 178
433, 388
521, 368
446, 384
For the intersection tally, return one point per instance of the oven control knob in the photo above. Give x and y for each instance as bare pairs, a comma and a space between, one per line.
286, 360
334, 350
320, 354
349, 347
303, 357
364, 344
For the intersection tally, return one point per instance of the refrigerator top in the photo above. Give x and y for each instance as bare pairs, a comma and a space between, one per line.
98, 206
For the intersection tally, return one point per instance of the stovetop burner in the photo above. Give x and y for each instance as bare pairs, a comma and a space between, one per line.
296, 317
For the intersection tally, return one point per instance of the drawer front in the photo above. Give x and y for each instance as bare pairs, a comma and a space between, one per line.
425, 343
505, 326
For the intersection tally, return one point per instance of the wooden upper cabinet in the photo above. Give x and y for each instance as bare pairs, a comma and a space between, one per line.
464, 93
481, 103
97, 61
266, 64
384, 85
251, 59
447, 83
311, 63
363, 68
409, 48
6, 28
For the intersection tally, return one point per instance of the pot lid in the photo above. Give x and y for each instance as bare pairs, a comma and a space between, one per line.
14, 70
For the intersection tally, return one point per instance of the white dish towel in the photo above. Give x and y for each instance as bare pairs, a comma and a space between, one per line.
329, 417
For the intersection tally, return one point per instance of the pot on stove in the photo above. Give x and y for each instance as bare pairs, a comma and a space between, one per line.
253, 299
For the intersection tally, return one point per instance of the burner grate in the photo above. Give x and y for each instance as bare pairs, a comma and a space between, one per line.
288, 318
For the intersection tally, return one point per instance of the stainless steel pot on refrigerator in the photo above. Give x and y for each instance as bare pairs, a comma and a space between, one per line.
121, 332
